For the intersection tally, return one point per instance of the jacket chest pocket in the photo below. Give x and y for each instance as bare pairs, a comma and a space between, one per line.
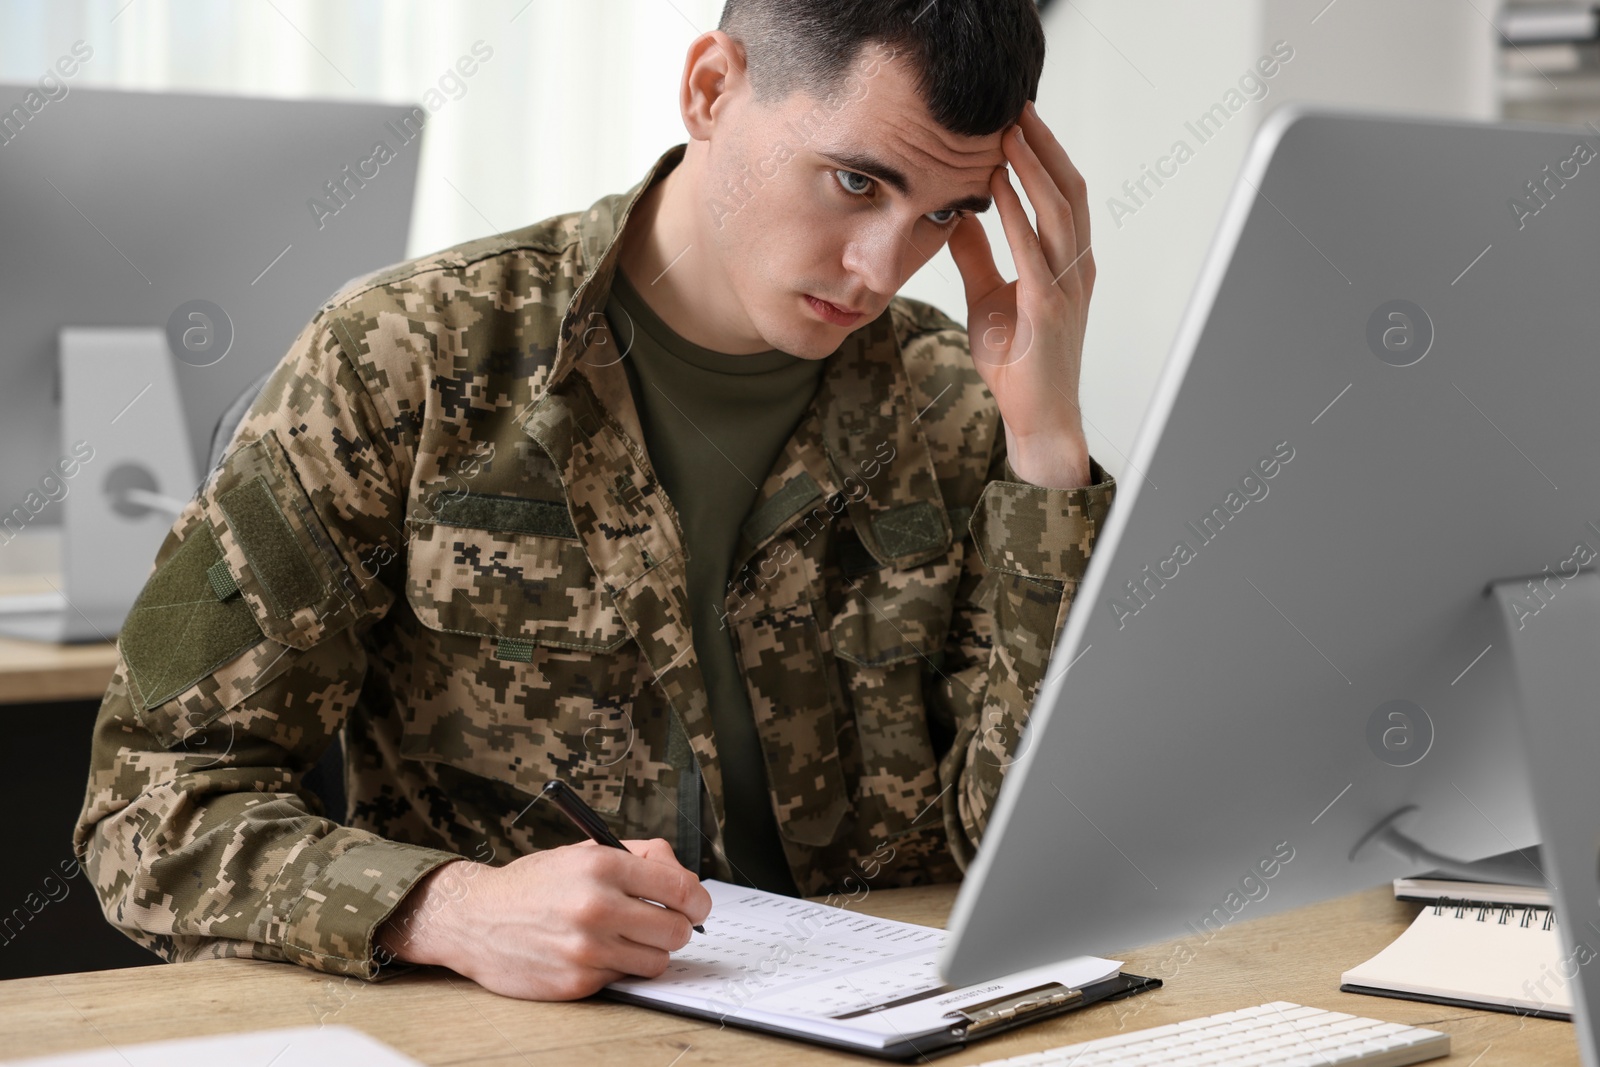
888, 637
524, 671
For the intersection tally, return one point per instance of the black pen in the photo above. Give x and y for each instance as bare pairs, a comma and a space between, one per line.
562, 796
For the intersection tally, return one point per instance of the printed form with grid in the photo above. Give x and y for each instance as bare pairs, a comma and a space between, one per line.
1280, 1033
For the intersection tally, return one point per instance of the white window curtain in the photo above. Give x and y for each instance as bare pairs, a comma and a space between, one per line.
575, 100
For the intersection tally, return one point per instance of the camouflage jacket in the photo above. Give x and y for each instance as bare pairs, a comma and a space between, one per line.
437, 535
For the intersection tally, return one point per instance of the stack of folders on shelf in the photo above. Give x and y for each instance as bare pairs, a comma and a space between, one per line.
1481, 945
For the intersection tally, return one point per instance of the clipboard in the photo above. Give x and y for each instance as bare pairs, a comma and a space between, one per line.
976, 1023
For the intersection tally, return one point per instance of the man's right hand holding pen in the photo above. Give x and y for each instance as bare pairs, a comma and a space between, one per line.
555, 925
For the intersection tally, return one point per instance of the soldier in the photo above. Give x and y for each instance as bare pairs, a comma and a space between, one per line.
673, 499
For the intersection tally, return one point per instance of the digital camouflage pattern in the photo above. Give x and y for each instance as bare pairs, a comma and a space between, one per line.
437, 532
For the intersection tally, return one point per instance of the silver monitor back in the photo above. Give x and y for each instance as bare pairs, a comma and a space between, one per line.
124, 208
217, 224
1381, 399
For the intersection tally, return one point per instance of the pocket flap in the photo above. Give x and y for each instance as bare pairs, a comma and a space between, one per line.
491, 567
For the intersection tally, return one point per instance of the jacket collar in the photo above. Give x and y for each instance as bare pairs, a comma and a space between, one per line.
599, 244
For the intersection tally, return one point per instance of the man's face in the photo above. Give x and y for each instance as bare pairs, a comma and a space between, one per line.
820, 208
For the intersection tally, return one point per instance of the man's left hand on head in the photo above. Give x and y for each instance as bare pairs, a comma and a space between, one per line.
1027, 335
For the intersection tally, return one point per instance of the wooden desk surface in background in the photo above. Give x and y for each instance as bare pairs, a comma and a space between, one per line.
31, 671
440, 1018
36, 671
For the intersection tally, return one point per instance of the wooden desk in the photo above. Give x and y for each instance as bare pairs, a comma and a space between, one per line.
35, 671
439, 1018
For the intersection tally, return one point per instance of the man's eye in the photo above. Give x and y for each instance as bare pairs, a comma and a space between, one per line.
944, 217
853, 183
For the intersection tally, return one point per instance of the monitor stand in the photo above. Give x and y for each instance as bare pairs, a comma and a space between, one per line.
120, 408
1517, 867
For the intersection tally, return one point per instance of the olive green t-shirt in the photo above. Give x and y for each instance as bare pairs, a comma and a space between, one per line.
714, 425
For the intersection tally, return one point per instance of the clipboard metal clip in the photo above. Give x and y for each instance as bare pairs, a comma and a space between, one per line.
987, 1016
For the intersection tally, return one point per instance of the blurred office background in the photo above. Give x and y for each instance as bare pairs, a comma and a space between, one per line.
577, 97
580, 97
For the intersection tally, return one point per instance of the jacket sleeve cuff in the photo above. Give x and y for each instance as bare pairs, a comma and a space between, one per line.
341, 905
1041, 533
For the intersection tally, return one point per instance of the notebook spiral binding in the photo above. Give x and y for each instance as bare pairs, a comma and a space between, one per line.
1482, 911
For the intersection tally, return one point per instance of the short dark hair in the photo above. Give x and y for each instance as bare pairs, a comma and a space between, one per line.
977, 61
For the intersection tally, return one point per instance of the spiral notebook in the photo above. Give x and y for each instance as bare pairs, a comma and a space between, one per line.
784, 965
1474, 954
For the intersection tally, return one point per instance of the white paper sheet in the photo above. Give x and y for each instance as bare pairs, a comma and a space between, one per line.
305, 1046
784, 961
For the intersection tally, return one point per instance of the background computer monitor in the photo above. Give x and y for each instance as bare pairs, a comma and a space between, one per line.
1382, 398
129, 209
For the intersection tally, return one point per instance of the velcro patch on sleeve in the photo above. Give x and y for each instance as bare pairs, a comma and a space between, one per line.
275, 555
291, 567
179, 631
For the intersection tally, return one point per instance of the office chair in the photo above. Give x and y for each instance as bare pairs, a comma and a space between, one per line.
326, 779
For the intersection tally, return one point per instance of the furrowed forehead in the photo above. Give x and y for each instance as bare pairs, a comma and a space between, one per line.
885, 131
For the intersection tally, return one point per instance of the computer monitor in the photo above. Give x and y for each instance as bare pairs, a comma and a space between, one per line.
224, 222
1381, 401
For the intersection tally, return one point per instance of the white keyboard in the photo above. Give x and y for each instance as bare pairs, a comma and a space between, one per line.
1281, 1034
